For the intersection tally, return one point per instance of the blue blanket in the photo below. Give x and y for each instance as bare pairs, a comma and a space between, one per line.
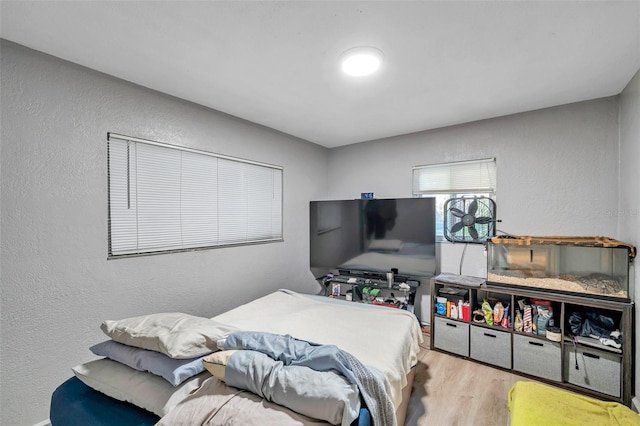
292, 351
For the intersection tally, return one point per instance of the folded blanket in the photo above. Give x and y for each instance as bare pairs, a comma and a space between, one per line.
323, 395
291, 351
216, 404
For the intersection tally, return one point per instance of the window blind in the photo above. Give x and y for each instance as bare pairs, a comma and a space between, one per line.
166, 198
459, 177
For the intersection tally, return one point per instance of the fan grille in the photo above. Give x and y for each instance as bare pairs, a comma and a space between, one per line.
469, 219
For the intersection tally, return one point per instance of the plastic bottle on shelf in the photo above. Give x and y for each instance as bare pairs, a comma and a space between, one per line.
454, 311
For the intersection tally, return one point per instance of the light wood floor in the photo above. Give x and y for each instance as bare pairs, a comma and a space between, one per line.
448, 390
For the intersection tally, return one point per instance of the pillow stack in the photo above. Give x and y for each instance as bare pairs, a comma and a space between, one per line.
153, 361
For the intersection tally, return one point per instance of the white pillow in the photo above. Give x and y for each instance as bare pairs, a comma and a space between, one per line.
176, 335
140, 388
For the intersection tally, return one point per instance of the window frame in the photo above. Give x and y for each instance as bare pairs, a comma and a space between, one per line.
276, 232
443, 193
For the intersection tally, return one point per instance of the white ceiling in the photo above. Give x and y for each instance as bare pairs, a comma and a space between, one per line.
275, 63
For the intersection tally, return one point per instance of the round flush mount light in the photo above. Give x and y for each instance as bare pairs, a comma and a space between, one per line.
361, 61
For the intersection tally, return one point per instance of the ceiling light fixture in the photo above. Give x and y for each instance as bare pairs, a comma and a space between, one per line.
361, 61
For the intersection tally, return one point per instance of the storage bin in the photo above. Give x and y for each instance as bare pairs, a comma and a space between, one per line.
491, 346
537, 356
598, 370
451, 336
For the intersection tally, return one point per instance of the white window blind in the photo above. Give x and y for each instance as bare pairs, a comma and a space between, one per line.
460, 177
165, 198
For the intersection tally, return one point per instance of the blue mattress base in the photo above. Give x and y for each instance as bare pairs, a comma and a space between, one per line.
75, 404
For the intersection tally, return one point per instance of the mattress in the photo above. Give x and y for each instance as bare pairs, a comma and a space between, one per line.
385, 339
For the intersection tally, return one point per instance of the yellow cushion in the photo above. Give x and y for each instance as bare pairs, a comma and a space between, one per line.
533, 403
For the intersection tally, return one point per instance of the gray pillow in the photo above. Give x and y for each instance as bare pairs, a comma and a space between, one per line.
174, 371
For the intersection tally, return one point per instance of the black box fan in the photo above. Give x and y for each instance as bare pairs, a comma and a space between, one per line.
469, 219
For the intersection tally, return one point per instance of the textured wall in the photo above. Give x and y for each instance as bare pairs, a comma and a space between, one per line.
557, 167
557, 171
57, 285
629, 207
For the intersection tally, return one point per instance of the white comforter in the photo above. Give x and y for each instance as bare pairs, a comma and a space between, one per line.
385, 338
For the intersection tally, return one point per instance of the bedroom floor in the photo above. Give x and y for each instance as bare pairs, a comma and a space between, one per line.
452, 391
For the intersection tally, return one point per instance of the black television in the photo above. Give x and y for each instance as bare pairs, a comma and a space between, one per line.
370, 237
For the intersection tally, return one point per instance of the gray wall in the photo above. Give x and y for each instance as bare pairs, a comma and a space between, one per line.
557, 167
557, 171
629, 206
57, 285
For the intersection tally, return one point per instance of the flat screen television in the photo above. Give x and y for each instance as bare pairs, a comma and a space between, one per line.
370, 237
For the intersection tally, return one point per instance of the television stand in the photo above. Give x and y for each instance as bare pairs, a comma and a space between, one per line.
362, 285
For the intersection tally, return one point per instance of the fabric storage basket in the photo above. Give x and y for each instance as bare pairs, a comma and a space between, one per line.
597, 370
491, 346
538, 357
451, 336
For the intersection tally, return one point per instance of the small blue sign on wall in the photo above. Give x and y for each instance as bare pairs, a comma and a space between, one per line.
366, 195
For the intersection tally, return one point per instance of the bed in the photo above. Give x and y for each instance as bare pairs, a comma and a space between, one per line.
107, 392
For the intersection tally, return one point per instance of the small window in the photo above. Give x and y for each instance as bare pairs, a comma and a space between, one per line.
166, 198
453, 180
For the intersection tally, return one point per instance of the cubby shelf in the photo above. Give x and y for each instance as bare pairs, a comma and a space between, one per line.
602, 371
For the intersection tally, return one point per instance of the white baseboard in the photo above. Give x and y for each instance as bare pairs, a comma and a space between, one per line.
635, 404
44, 423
